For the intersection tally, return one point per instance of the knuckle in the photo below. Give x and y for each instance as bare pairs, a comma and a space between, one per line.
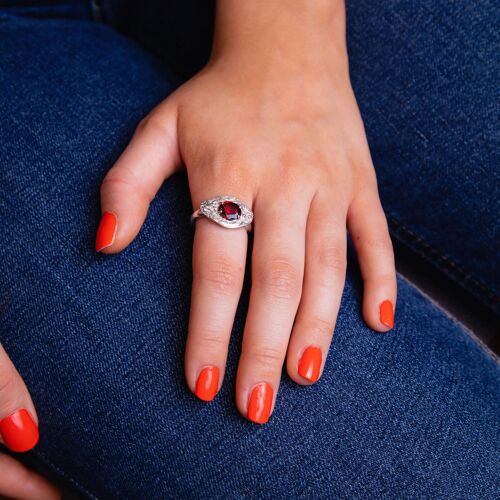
380, 244
125, 182
221, 275
320, 327
120, 180
331, 255
266, 357
281, 280
143, 123
211, 340
7, 383
382, 279
151, 124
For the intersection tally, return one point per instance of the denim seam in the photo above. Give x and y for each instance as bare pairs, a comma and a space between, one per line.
63, 474
443, 262
467, 331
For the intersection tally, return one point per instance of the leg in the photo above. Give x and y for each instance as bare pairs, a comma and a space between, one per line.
425, 75
100, 340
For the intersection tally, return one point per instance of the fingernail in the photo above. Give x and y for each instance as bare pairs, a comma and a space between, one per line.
207, 383
106, 231
387, 313
310, 363
19, 431
260, 402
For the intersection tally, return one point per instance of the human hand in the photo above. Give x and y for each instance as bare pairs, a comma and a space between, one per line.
19, 432
273, 120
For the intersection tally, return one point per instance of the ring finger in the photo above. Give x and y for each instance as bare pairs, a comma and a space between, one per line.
219, 256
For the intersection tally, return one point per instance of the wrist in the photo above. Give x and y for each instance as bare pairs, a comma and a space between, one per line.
285, 35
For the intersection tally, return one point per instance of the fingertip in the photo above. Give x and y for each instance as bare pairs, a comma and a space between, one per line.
378, 313
19, 431
207, 384
118, 228
260, 403
386, 314
305, 368
300, 379
106, 232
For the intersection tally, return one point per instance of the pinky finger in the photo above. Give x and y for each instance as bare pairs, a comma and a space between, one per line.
370, 235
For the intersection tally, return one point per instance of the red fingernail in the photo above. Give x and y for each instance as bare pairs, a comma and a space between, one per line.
260, 403
106, 231
387, 313
310, 363
207, 383
19, 431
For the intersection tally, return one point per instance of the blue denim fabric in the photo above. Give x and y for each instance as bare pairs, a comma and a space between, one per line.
426, 76
100, 340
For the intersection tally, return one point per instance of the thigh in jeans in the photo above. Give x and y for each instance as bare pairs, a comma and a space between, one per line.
426, 77
100, 339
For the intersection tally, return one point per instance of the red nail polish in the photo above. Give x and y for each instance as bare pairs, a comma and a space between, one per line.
260, 403
19, 431
310, 363
106, 231
207, 383
387, 313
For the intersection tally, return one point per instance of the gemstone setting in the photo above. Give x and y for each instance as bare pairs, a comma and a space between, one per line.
227, 211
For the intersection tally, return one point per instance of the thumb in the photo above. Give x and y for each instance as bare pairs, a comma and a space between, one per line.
128, 188
16, 481
18, 420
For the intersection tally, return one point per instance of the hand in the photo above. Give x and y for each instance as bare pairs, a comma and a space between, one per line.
273, 120
19, 432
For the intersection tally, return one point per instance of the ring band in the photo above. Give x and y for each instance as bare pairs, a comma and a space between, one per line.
227, 211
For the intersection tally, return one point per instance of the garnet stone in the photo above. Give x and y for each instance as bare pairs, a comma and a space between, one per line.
229, 210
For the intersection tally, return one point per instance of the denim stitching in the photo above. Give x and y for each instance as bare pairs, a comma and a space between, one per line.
444, 263
66, 476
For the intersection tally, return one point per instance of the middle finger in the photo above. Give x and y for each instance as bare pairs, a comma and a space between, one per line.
277, 273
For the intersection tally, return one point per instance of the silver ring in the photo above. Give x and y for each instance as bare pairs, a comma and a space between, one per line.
227, 211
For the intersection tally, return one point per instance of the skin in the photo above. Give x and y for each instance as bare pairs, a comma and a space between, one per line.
273, 120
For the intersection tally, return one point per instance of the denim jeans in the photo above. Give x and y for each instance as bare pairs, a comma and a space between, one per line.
99, 339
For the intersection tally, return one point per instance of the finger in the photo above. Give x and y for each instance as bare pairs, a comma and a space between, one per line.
370, 235
128, 188
218, 271
16, 481
277, 273
324, 279
18, 420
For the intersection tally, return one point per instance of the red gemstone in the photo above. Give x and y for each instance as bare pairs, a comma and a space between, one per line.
229, 210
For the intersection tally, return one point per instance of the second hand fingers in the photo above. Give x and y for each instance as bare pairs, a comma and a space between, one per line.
18, 427
16, 481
